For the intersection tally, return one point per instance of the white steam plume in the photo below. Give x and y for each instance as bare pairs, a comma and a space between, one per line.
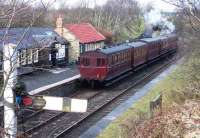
155, 18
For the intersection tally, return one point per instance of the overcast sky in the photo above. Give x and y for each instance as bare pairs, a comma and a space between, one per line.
156, 3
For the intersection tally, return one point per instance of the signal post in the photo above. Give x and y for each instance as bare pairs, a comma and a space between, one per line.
15, 95
10, 75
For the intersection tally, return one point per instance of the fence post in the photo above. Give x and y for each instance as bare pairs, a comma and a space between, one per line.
155, 104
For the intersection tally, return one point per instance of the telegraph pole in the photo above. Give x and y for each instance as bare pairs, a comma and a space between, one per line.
10, 75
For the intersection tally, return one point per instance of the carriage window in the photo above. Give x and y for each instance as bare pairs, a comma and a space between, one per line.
113, 60
103, 62
85, 61
125, 56
119, 57
116, 58
109, 60
100, 62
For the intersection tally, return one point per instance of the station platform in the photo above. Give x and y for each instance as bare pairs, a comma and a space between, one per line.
39, 81
97, 128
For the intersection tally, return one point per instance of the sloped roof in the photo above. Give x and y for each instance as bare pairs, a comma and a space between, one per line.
85, 32
137, 44
34, 37
115, 49
121, 47
153, 39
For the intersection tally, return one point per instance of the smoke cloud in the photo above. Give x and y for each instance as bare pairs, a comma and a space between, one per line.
157, 24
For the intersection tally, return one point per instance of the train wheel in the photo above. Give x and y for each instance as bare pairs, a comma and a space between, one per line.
92, 83
101, 84
96, 84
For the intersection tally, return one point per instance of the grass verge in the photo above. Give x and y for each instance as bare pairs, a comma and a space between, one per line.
140, 109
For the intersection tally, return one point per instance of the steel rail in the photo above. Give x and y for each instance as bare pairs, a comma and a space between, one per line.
76, 124
36, 127
92, 112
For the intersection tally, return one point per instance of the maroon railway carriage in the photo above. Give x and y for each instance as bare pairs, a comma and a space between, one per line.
119, 60
172, 41
139, 53
105, 64
165, 45
169, 43
89, 68
154, 47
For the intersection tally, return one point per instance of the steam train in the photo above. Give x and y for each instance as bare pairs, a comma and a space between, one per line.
109, 63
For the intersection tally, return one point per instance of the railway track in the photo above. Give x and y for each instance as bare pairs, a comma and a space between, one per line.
85, 94
111, 99
36, 121
61, 125
27, 114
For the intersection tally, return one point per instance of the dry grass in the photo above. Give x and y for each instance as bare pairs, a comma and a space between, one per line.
176, 121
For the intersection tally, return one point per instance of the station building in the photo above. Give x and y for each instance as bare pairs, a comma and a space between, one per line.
36, 48
81, 37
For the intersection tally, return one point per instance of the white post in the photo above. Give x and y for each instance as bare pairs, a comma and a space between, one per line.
10, 119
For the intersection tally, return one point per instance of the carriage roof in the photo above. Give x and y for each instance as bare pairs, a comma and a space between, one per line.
149, 40
137, 44
115, 49
122, 47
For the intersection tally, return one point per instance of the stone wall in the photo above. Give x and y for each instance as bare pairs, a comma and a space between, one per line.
73, 50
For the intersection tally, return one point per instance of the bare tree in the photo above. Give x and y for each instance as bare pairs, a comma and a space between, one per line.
16, 13
11, 19
188, 16
190, 11
122, 17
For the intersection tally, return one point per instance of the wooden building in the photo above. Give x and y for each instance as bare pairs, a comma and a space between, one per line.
81, 37
36, 48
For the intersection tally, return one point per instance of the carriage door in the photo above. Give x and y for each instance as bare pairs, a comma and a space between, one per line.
53, 55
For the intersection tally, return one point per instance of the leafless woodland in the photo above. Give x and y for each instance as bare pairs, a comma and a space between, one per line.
16, 13
124, 18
